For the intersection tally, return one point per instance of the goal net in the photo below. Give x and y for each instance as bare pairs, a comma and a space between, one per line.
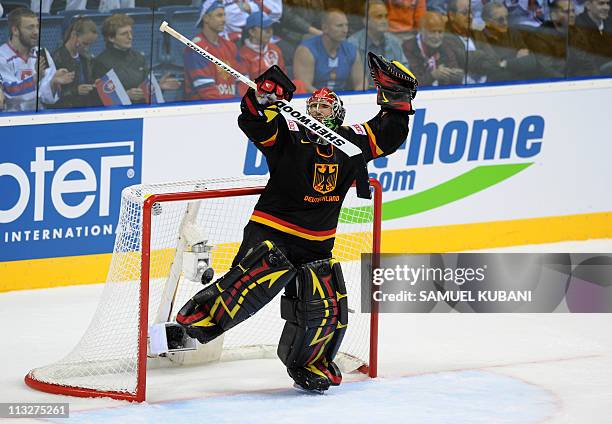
146, 285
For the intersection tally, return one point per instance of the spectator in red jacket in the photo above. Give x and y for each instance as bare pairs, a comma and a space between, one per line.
204, 80
257, 52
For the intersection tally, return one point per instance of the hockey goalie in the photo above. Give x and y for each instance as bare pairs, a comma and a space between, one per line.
287, 244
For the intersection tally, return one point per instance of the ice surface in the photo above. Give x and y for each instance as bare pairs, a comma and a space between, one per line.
434, 368
463, 396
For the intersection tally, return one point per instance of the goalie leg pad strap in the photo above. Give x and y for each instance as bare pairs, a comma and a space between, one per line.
240, 293
316, 318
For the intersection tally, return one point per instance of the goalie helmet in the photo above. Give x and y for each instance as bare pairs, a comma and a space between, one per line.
326, 107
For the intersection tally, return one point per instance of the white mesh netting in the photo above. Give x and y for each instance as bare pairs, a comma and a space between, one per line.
106, 358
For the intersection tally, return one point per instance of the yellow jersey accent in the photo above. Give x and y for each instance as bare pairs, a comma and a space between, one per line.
372, 138
288, 230
270, 140
384, 97
270, 114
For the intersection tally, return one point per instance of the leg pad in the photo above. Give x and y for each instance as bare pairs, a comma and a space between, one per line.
316, 322
240, 293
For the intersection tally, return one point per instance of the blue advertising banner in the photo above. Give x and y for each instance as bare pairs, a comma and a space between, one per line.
60, 186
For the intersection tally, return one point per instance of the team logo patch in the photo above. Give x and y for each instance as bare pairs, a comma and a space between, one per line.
325, 177
292, 125
359, 129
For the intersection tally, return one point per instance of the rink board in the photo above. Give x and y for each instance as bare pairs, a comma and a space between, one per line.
482, 167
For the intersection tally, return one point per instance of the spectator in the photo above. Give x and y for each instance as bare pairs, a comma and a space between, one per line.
204, 80
237, 12
354, 11
379, 41
404, 16
431, 60
512, 58
273, 9
257, 52
524, 13
26, 71
1, 10
129, 65
108, 5
301, 20
329, 60
460, 41
43, 6
436, 6
596, 28
74, 55
559, 47
105, 6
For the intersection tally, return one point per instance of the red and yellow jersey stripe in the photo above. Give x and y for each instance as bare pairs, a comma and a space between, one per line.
374, 148
289, 228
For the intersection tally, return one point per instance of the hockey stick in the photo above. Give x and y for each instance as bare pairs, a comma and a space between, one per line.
284, 106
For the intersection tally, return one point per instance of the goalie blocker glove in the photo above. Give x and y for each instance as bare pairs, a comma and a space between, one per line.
272, 85
397, 86
275, 82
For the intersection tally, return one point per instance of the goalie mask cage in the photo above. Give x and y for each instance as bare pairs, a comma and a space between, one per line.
143, 287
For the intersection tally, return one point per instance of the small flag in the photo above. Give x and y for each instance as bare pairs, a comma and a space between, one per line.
152, 91
111, 90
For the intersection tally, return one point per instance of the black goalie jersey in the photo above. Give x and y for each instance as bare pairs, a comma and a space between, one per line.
308, 181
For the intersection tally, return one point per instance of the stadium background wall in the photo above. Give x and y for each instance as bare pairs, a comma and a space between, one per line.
483, 167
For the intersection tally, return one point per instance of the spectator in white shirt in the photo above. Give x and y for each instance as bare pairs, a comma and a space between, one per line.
23, 71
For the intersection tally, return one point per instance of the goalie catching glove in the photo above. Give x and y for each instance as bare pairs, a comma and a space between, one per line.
397, 86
